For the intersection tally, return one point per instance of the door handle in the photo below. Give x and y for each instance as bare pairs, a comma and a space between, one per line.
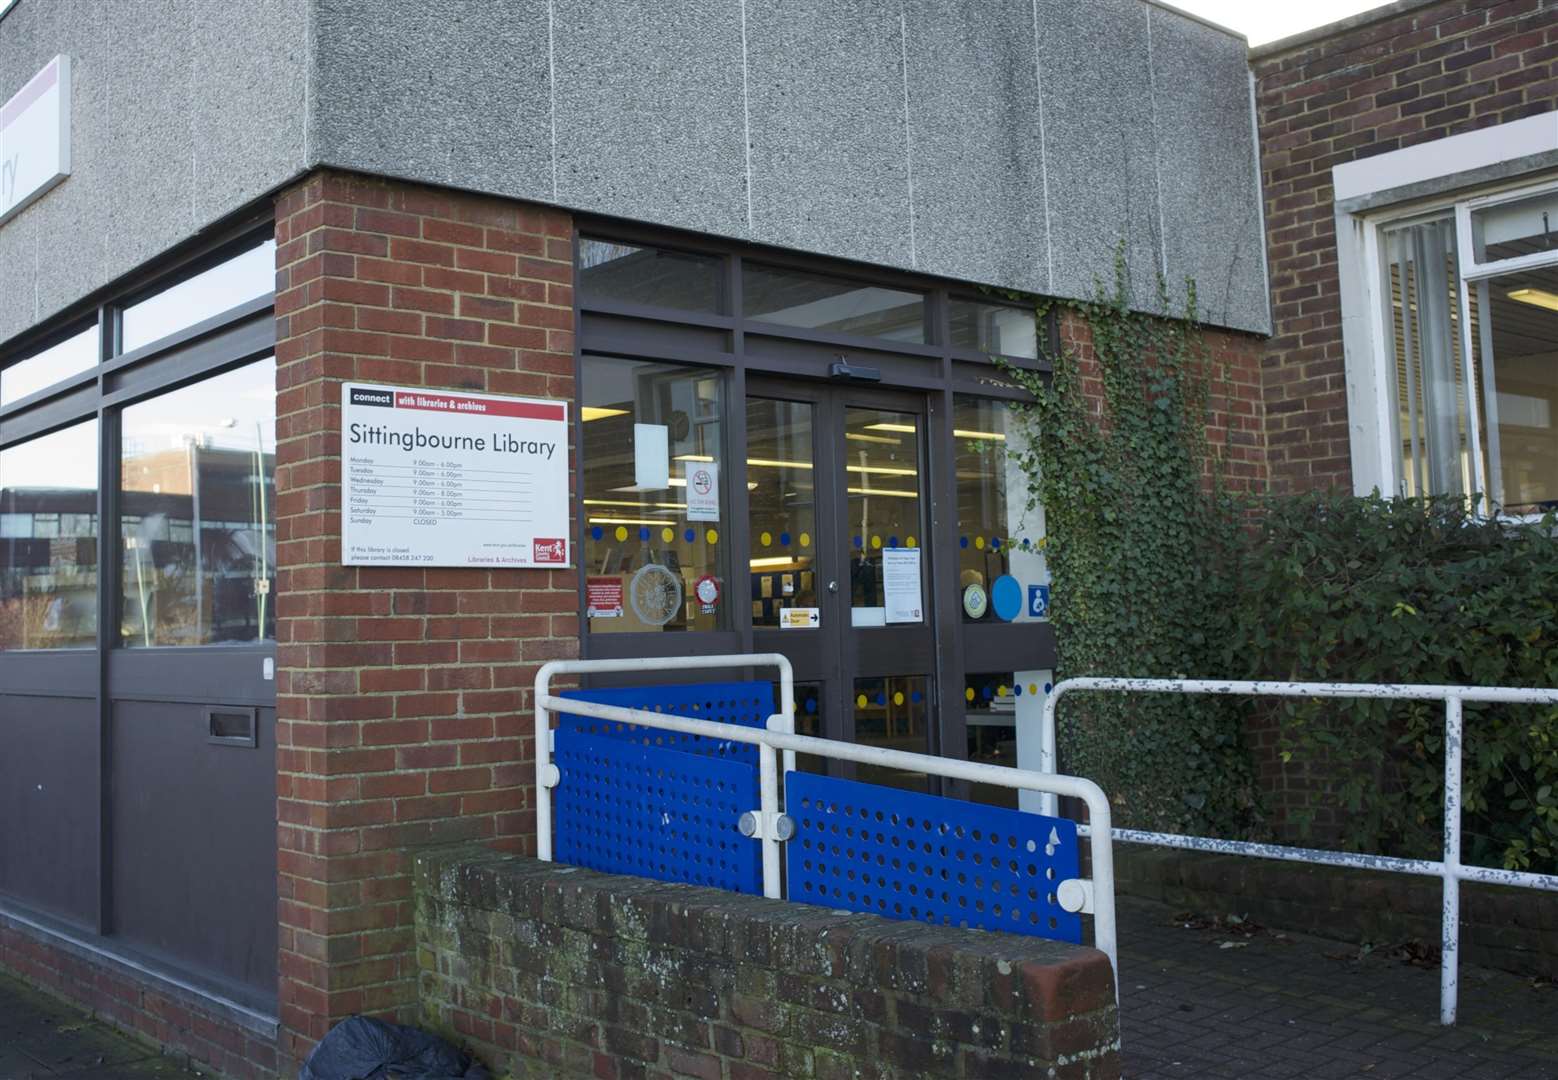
833, 586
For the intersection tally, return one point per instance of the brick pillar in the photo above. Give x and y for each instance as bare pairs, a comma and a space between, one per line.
402, 701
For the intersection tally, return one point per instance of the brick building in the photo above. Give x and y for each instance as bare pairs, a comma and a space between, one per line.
1408, 161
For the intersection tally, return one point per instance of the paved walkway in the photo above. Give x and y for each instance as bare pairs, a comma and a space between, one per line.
1206, 998
40, 1039
1202, 998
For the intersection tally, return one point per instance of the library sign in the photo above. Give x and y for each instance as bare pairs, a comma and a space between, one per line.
449, 478
35, 138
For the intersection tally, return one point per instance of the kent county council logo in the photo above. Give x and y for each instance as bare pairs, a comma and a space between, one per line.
549, 551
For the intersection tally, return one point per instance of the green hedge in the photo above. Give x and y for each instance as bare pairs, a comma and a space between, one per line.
1398, 590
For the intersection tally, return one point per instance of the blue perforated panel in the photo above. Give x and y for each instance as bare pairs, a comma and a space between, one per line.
625, 808
748, 704
943, 861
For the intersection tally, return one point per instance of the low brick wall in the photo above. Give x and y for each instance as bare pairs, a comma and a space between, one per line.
1510, 929
547, 970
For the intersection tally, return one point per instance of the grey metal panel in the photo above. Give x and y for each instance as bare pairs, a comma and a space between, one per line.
1213, 231
1100, 155
830, 162
649, 112
179, 117
48, 812
977, 156
194, 843
448, 91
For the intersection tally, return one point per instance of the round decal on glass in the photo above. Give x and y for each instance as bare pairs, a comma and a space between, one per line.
1006, 598
656, 594
975, 602
706, 589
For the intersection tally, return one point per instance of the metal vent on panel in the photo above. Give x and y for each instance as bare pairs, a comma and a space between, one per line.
622, 807
748, 704
903, 855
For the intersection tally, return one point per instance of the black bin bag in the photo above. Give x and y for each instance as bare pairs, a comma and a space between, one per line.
365, 1049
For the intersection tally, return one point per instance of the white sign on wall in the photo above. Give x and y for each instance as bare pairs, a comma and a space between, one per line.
450, 478
35, 138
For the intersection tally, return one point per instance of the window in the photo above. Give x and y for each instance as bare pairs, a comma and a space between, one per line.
782, 508
649, 276
208, 293
1470, 332
197, 508
998, 534
816, 302
994, 328
654, 553
72, 356
48, 541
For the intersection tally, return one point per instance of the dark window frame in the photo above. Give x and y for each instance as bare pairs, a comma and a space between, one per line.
227, 675
737, 346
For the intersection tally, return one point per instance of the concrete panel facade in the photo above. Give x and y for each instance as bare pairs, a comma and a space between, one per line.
182, 112
1009, 143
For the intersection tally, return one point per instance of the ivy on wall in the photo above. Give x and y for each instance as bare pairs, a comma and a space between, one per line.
1140, 533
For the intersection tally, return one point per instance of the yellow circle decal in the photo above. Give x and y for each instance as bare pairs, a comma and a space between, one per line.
912, 542
622, 533
968, 695
876, 541
979, 542
712, 536
1000, 691
668, 534
860, 702
805, 540
767, 538
1033, 688
898, 698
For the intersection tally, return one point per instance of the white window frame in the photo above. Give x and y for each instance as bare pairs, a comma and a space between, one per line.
1372, 420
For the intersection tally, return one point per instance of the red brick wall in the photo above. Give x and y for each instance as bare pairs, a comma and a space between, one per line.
1421, 74
1234, 406
402, 701
136, 1006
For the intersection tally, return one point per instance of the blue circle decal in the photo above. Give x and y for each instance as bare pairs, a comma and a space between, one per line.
690, 535
643, 532
596, 533
962, 541
811, 704
784, 539
1006, 598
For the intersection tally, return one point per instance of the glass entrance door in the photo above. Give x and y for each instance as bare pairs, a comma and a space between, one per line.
840, 574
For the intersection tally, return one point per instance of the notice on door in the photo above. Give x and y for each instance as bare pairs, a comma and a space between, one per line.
702, 491
901, 585
449, 478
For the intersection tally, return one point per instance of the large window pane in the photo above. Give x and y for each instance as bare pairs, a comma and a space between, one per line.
994, 328
998, 533
1433, 418
783, 511
1515, 341
815, 302
206, 294
70, 357
197, 512
882, 478
1522, 227
650, 276
48, 541
652, 564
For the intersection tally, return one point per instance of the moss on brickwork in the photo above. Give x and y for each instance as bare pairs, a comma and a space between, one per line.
554, 971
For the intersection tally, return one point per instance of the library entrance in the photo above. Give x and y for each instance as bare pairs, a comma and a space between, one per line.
776, 455
840, 572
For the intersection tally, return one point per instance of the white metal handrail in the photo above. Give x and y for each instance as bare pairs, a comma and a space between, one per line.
1449, 869
780, 736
